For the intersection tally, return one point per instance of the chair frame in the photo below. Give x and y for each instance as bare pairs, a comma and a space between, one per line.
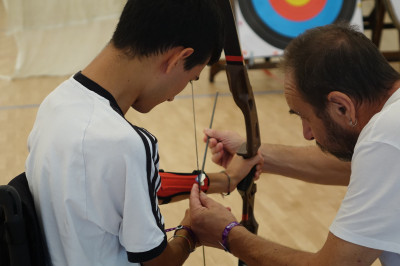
14, 226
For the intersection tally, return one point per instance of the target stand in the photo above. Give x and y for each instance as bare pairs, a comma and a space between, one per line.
265, 27
375, 22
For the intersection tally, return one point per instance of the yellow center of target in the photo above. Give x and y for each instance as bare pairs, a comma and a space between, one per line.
298, 2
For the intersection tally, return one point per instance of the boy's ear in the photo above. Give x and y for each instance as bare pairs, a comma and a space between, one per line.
341, 108
176, 56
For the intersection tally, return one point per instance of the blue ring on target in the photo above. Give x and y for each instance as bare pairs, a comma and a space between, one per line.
279, 31
291, 28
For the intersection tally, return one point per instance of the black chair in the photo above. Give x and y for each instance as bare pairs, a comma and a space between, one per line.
21, 239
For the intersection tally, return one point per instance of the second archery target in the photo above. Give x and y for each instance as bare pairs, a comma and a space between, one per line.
267, 26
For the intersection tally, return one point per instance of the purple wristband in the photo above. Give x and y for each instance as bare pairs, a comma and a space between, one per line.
225, 234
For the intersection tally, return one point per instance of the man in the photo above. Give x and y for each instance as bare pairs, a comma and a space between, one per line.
93, 175
347, 96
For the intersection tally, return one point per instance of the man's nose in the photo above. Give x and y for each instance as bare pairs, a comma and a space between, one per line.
307, 131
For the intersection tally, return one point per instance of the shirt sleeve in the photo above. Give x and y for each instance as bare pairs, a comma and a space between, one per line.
118, 193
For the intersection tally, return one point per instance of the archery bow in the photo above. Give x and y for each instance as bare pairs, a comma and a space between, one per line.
242, 93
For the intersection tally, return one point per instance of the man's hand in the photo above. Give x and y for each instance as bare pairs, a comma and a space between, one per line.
239, 167
223, 145
209, 218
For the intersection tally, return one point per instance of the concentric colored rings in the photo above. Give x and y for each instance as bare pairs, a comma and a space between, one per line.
279, 21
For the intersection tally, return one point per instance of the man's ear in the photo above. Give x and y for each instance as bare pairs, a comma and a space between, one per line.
341, 108
177, 55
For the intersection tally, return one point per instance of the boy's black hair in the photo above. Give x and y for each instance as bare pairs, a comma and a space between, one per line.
151, 27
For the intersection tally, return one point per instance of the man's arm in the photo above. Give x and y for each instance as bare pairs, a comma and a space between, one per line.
255, 250
307, 163
210, 218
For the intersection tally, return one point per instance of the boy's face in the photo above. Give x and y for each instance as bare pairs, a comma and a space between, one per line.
183, 79
165, 88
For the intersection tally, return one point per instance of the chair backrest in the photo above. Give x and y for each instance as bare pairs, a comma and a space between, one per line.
19, 225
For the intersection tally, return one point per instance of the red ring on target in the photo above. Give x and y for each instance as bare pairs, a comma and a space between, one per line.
299, 12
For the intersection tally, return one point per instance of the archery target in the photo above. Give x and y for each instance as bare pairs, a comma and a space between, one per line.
267, 26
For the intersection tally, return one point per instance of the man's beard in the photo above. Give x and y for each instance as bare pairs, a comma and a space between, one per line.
340, 142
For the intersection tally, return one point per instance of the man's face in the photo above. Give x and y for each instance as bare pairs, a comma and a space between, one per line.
339, 141
329, 135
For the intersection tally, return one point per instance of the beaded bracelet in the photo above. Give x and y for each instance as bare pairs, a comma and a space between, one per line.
179, 227
187, 239
229, 184
192, 235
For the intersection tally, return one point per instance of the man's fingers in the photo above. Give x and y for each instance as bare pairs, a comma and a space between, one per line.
216, 157
205, 201
212, 143
215, 146
194, 199
198, 199
209, 132
257, 160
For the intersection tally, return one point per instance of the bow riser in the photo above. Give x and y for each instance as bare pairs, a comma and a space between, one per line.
242, 93
248, 218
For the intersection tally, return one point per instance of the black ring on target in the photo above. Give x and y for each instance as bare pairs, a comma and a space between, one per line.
281, 40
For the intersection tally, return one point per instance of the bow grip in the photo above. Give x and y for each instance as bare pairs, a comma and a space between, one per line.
246, 182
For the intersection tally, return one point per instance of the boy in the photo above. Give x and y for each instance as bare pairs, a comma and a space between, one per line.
93, 175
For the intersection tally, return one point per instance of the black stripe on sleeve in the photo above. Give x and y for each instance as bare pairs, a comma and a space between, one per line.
153, 144
148, 255
151, 188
